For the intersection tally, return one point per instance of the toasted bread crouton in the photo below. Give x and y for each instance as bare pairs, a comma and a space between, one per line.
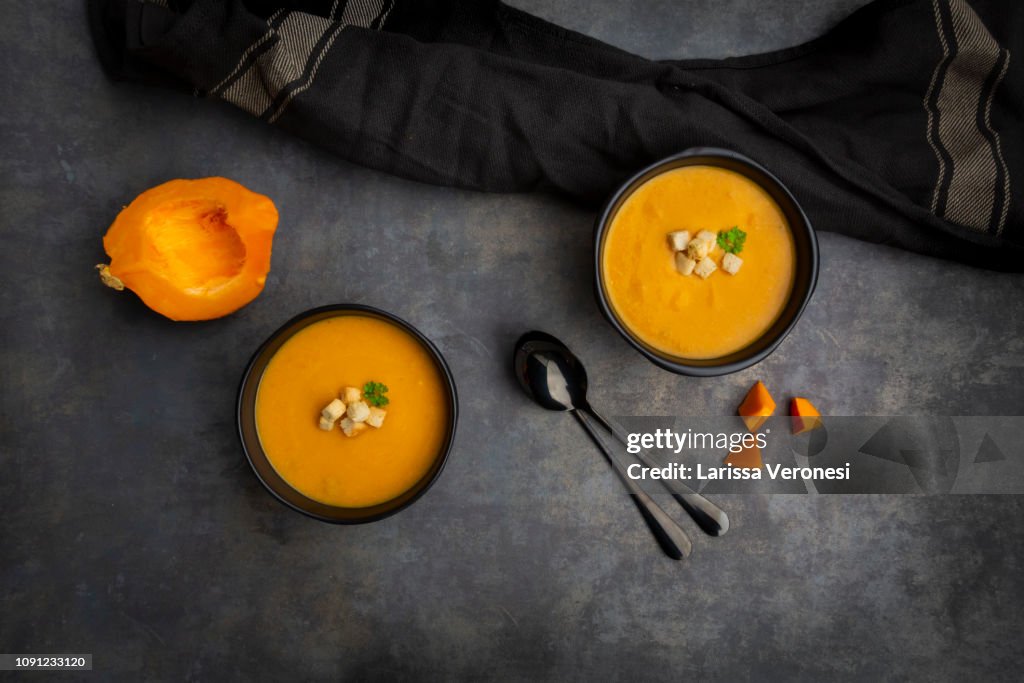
358, 411
679, 239
705, 267
333, 410
709, 236
325, 424
698, 248
376, 418
731, 263
351, 395
684, 264
350, 428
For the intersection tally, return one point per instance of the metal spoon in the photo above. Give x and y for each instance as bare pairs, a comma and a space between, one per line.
557, 381
555, 378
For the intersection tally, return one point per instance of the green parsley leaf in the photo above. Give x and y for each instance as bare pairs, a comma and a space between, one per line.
373, 393
732, 240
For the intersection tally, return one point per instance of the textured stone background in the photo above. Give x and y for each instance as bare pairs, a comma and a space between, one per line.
132, 528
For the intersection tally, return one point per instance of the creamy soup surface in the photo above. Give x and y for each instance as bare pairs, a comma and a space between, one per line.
687, 316
308, 371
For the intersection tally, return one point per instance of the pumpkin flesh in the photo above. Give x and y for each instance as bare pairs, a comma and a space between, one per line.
193, 249
757, 407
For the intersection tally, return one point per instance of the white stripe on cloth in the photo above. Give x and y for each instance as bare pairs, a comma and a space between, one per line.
283, 64
309, 79
248, 51
977, 158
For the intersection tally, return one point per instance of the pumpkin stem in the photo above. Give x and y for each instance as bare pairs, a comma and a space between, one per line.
107, 278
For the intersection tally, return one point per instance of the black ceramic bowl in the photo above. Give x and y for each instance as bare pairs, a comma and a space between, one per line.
806, 276
266, 473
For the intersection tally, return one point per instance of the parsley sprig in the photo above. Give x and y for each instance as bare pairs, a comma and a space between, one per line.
373, 393
732, 240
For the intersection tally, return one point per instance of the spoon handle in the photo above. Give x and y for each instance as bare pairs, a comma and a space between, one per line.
708, 516
671, 537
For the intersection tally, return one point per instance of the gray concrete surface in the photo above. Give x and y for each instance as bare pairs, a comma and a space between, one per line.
132, 528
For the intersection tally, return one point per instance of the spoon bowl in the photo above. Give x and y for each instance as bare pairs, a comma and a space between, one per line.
549, 372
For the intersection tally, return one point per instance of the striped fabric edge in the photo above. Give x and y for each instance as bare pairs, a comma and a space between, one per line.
283, 62
973, 184
298, 86
249, 54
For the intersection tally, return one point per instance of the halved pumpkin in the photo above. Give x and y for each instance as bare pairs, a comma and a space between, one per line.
192, 249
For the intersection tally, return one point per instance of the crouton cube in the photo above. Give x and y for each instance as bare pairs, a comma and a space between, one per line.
350, 428
679, 239
325, 424
333, 410
358, 411
698, 248
376, 418
351, 395
705, 267
731, 263
709, 236
684, 264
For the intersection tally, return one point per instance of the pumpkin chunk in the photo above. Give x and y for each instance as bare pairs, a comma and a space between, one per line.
747, 456
804, 415
757, 407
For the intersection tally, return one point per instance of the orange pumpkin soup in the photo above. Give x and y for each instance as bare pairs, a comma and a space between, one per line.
307, 372
685, 315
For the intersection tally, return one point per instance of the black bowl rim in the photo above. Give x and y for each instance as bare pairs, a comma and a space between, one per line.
708, 368
442, 457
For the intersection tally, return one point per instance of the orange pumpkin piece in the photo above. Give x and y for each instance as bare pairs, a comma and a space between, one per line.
757, 406
805, 416
192, 249
748, 456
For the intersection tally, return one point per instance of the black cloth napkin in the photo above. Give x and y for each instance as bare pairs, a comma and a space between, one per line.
903, 125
